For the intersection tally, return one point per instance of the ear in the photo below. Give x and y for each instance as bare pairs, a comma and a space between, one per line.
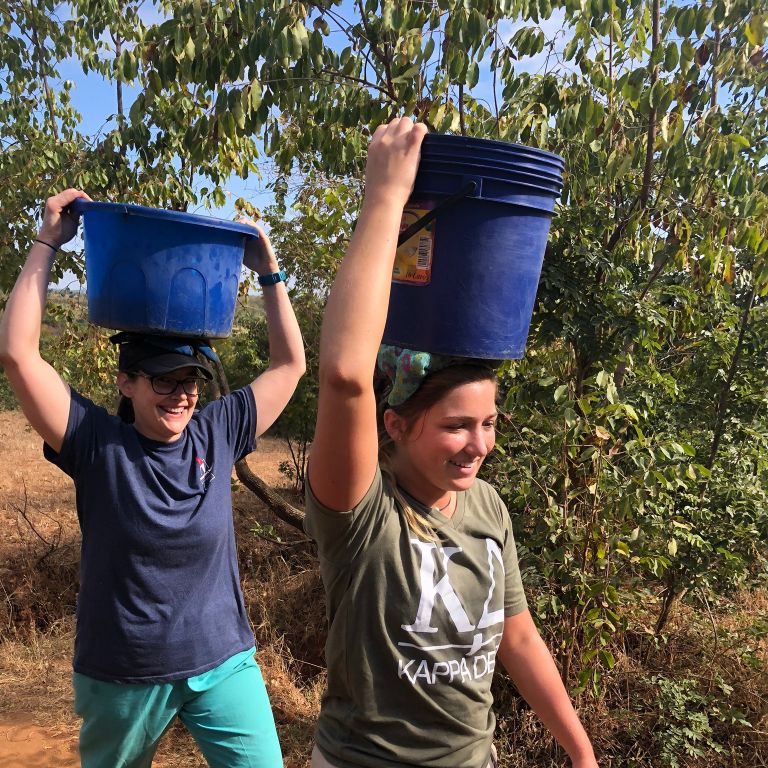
394, 424
125, 384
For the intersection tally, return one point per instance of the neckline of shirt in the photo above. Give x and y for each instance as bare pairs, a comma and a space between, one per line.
438, 518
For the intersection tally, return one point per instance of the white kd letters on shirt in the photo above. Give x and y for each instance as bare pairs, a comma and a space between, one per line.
431, 590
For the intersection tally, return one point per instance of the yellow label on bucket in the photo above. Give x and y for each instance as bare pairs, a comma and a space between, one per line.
413, 262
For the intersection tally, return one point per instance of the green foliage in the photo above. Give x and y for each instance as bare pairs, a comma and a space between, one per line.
268, 532
245, 352
311, 239
685, 716
80, 352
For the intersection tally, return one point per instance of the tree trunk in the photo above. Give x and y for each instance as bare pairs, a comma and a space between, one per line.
670, 594
274, 501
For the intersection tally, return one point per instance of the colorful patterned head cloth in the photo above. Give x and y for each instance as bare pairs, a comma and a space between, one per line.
406, 369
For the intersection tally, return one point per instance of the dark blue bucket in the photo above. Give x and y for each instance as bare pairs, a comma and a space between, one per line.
467, 269
158, 271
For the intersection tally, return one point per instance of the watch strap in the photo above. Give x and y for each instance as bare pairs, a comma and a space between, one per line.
272, 278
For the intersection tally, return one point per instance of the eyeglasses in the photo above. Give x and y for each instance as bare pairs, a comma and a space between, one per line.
167, 385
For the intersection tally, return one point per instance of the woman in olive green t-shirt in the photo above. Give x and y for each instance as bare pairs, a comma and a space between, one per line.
417, 554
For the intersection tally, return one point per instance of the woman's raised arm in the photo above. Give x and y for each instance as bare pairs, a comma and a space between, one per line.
41, 392
345, 448
273, 388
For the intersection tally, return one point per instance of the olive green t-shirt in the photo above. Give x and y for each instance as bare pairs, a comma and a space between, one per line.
413, 629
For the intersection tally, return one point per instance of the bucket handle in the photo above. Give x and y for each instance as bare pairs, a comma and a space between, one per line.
470, 188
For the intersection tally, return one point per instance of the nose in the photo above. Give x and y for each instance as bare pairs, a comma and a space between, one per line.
178, 392
478, 443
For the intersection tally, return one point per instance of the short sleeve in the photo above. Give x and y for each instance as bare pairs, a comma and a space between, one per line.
342, 536
80, 439
235, 416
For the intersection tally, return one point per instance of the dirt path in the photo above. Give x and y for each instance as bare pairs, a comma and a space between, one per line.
37, 725
24, 744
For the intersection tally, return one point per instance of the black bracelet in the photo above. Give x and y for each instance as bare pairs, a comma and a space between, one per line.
42, 242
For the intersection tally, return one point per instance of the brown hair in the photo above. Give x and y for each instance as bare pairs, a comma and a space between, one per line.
433, 389
125, 404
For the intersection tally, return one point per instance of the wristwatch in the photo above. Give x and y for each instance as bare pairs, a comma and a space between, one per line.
272, 278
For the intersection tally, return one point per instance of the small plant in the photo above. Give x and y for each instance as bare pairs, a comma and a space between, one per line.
287, 470
7, 398
684, 725
268, 532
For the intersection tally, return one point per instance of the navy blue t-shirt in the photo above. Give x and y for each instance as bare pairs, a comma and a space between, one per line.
160, 595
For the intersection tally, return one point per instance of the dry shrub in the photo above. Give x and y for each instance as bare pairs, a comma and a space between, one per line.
295, 703
282, 588
178, 749
290, 605
40, 575
286, 604
521, 739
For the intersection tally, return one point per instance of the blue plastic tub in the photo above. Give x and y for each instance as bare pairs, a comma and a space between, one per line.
466, 284
158, 271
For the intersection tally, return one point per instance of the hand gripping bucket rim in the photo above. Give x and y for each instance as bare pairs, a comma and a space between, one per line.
152, 270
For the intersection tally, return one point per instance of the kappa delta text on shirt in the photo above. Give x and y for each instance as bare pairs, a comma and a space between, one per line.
444, 626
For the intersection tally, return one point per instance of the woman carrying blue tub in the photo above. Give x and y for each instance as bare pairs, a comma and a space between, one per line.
162, 629
417, 554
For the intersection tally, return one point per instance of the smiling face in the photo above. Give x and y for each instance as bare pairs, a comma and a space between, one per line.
443, 448
159, 417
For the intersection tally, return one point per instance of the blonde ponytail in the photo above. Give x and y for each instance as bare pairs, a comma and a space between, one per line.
419, 525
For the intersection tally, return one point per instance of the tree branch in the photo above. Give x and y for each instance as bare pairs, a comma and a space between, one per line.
353, 79
645, 190
274, 501
715, 54
384, 59
722, 402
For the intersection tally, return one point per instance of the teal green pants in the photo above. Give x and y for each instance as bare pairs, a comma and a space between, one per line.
226, 710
